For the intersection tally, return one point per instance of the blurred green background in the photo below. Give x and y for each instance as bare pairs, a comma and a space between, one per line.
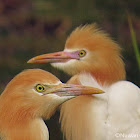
32, 27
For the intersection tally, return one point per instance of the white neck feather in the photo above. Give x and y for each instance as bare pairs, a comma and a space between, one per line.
101, 117
83, 116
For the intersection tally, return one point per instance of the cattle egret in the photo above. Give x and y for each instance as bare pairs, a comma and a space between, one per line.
91, 55
29, 97
91, 50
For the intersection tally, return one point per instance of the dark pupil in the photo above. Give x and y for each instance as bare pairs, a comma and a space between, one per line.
40, 88
82, 53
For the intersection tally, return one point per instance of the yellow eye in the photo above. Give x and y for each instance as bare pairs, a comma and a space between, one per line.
82, 53
40, 88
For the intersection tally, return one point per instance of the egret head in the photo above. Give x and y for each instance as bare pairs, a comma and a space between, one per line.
37, 93
91, 50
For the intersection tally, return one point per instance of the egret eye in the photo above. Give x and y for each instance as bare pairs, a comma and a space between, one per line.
82, 53
40, 88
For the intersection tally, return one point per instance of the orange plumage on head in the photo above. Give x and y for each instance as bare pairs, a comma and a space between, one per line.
103, 56
21, 107
104, 61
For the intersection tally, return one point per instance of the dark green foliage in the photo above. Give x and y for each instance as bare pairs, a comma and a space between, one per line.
134, 41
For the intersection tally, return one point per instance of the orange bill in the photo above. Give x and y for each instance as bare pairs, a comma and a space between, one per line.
72, 90
53, 57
